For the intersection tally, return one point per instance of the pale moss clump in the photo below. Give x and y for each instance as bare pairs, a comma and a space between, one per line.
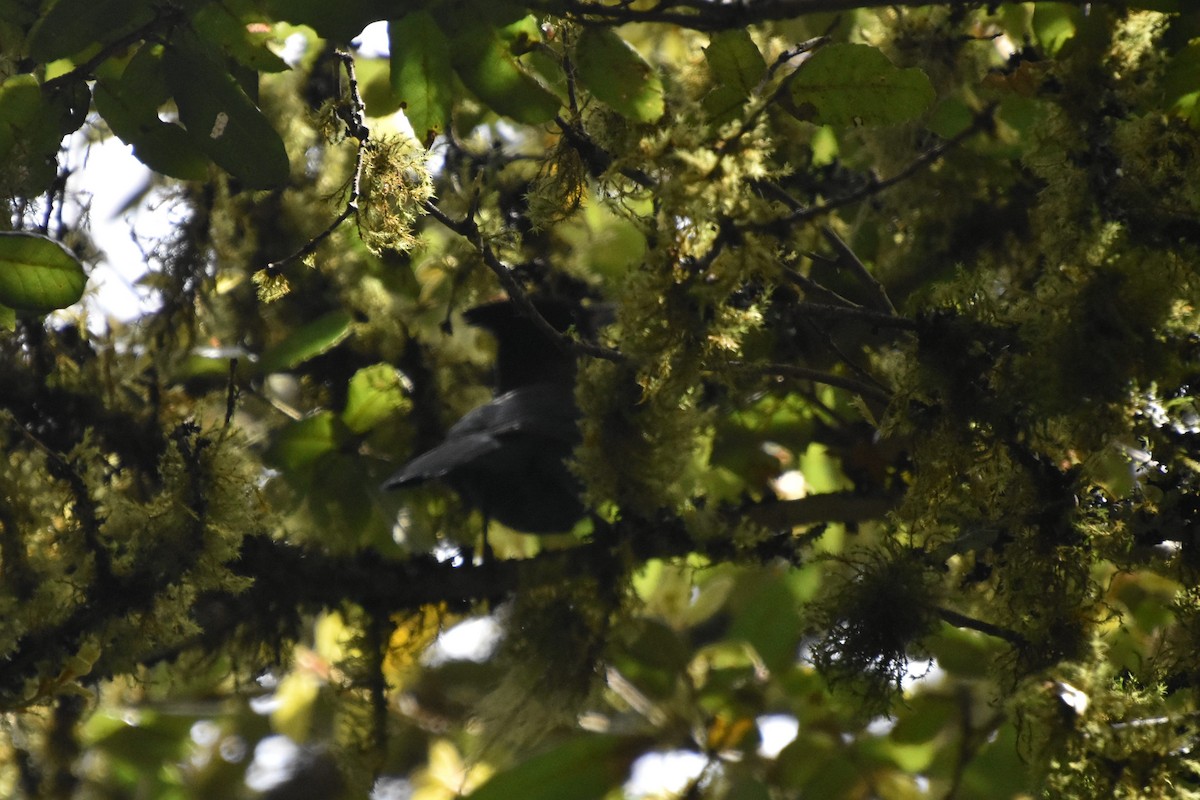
560, 188
396, 185
271, 286
646, 456
1136, 46
88, 537
176, 533
45, 568
1077, 715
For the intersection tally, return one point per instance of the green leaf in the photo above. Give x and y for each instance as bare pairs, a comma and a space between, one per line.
1054, 24
375, 394
854, 84
924, 716
38, 274
129, 104
230, 32
616, 74
737, 66
911, 758
20, 107
734, 61
962, 653
31, 129
340, 21
770, 622
1000, 769
375, 83
582, 768
303, 442
220, 119
488, 67
422, 77
307, 341
68, 26
1181, 84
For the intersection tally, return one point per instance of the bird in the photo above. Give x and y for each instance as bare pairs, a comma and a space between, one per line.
507, 458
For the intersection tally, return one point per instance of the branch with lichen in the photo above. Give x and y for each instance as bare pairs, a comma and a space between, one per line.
354, 116
469, 230
708, 15
983, 121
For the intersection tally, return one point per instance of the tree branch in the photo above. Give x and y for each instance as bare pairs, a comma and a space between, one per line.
848, 259
86, 70
801, 213
963, 621
291, 581
865, 390
469, 230
357, 129
874, 318
710, 15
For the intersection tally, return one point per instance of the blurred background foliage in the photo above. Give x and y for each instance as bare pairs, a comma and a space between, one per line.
890, 440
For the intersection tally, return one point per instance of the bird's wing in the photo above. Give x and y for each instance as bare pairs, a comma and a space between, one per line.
446, 457
543, 409
545, 412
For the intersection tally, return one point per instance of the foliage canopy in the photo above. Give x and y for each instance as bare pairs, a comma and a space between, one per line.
891, 440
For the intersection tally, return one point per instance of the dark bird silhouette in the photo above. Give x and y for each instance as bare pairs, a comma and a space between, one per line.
506, 457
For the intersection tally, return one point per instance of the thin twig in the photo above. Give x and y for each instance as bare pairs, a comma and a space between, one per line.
812, 287
86, 70
467, 229
865, 390
748, 122
847, 258
598, 159
231, 392
712, 16
963, 621
875, 318
355, 128
800, 213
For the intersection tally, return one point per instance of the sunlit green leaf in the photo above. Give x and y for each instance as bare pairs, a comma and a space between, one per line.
231, 34
375, 83
616, 74
220, 119
421, 75
908, 757
488, 67
38, 274
854, 84
1054, 24
31, 129
1181, 83
374, 395
145, 739
306, 440
307, 341
961, 652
